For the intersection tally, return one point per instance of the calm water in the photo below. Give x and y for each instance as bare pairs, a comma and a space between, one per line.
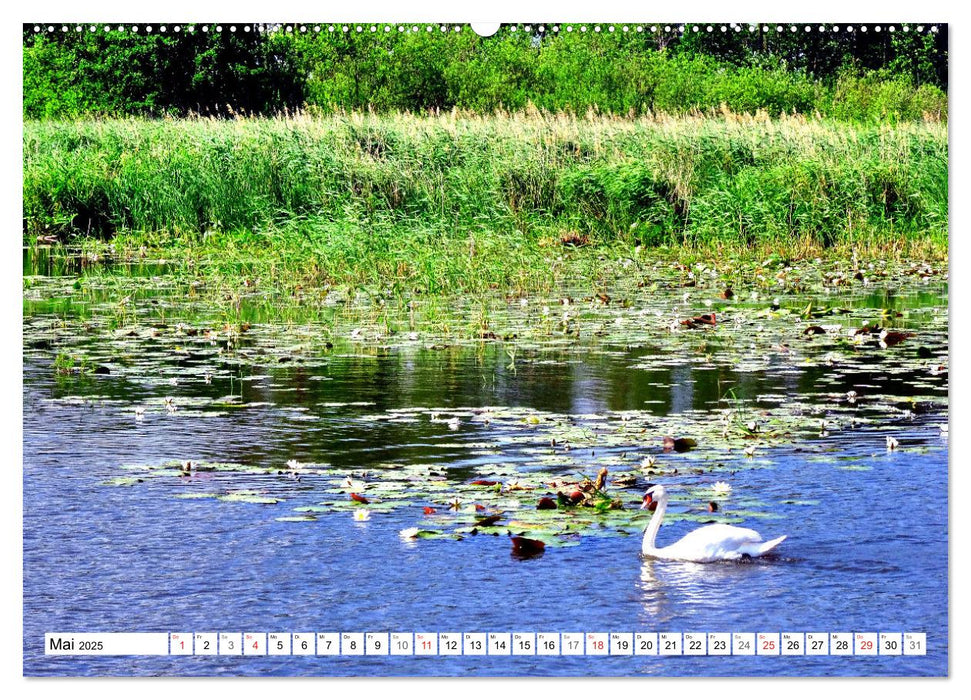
866, 550
872, 555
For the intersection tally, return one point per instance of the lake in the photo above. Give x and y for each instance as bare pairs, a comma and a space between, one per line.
367, 399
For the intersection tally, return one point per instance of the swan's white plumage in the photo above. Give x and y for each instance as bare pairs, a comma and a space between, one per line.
710, 543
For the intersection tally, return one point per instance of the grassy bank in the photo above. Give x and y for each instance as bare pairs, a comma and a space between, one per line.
498, 197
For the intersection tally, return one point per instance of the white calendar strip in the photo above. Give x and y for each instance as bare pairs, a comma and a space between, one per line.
486, 644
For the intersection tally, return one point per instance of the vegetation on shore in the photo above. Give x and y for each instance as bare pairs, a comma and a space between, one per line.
837, 71
439, 197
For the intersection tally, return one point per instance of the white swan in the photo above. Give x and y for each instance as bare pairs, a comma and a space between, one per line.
709, 543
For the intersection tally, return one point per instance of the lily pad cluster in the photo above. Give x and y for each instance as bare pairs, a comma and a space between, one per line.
440, 506
743, 357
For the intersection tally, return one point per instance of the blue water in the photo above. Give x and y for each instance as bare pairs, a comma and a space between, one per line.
872, 555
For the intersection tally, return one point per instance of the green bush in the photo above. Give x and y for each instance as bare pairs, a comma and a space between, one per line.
868, 78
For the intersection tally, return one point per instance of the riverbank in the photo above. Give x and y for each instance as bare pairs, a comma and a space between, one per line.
461, 203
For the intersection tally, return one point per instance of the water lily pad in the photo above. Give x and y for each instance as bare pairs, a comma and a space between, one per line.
122, 481
248, 497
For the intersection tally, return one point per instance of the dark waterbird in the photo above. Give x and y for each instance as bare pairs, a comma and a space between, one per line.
525, 548
890, 338
700, 321
678, 444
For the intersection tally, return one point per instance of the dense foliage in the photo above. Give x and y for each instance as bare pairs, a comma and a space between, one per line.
658, 180
851, 75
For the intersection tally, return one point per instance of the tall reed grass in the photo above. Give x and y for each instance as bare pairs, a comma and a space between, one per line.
322, 180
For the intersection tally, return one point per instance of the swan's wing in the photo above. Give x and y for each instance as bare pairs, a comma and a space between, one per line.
760, 548
714, 542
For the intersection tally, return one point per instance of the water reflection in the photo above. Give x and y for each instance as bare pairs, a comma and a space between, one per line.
48, 261
678, 589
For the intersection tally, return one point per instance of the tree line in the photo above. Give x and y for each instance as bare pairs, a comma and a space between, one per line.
264, 70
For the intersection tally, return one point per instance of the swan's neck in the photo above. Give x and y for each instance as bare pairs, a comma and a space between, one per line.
650, 532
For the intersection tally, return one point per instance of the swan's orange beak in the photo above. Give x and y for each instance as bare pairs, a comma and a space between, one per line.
649, 503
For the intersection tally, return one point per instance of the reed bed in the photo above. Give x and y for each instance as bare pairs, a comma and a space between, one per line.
359, 189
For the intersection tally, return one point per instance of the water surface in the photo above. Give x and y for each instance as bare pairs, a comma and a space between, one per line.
866, 550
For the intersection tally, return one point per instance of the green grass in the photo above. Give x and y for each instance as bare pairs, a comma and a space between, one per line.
463, 201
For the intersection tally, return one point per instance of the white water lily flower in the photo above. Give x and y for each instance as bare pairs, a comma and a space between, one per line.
360, 515
750, 451
648, 462
139, 412
453, 424
892, 443
409, 533
721, 487
294, 465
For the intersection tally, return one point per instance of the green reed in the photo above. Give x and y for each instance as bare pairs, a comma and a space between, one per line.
466, 200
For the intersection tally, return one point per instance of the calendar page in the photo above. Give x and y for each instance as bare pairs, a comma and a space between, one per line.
602, 348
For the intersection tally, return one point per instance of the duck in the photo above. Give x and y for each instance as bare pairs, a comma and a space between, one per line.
718, 542
700, 321
890, 338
